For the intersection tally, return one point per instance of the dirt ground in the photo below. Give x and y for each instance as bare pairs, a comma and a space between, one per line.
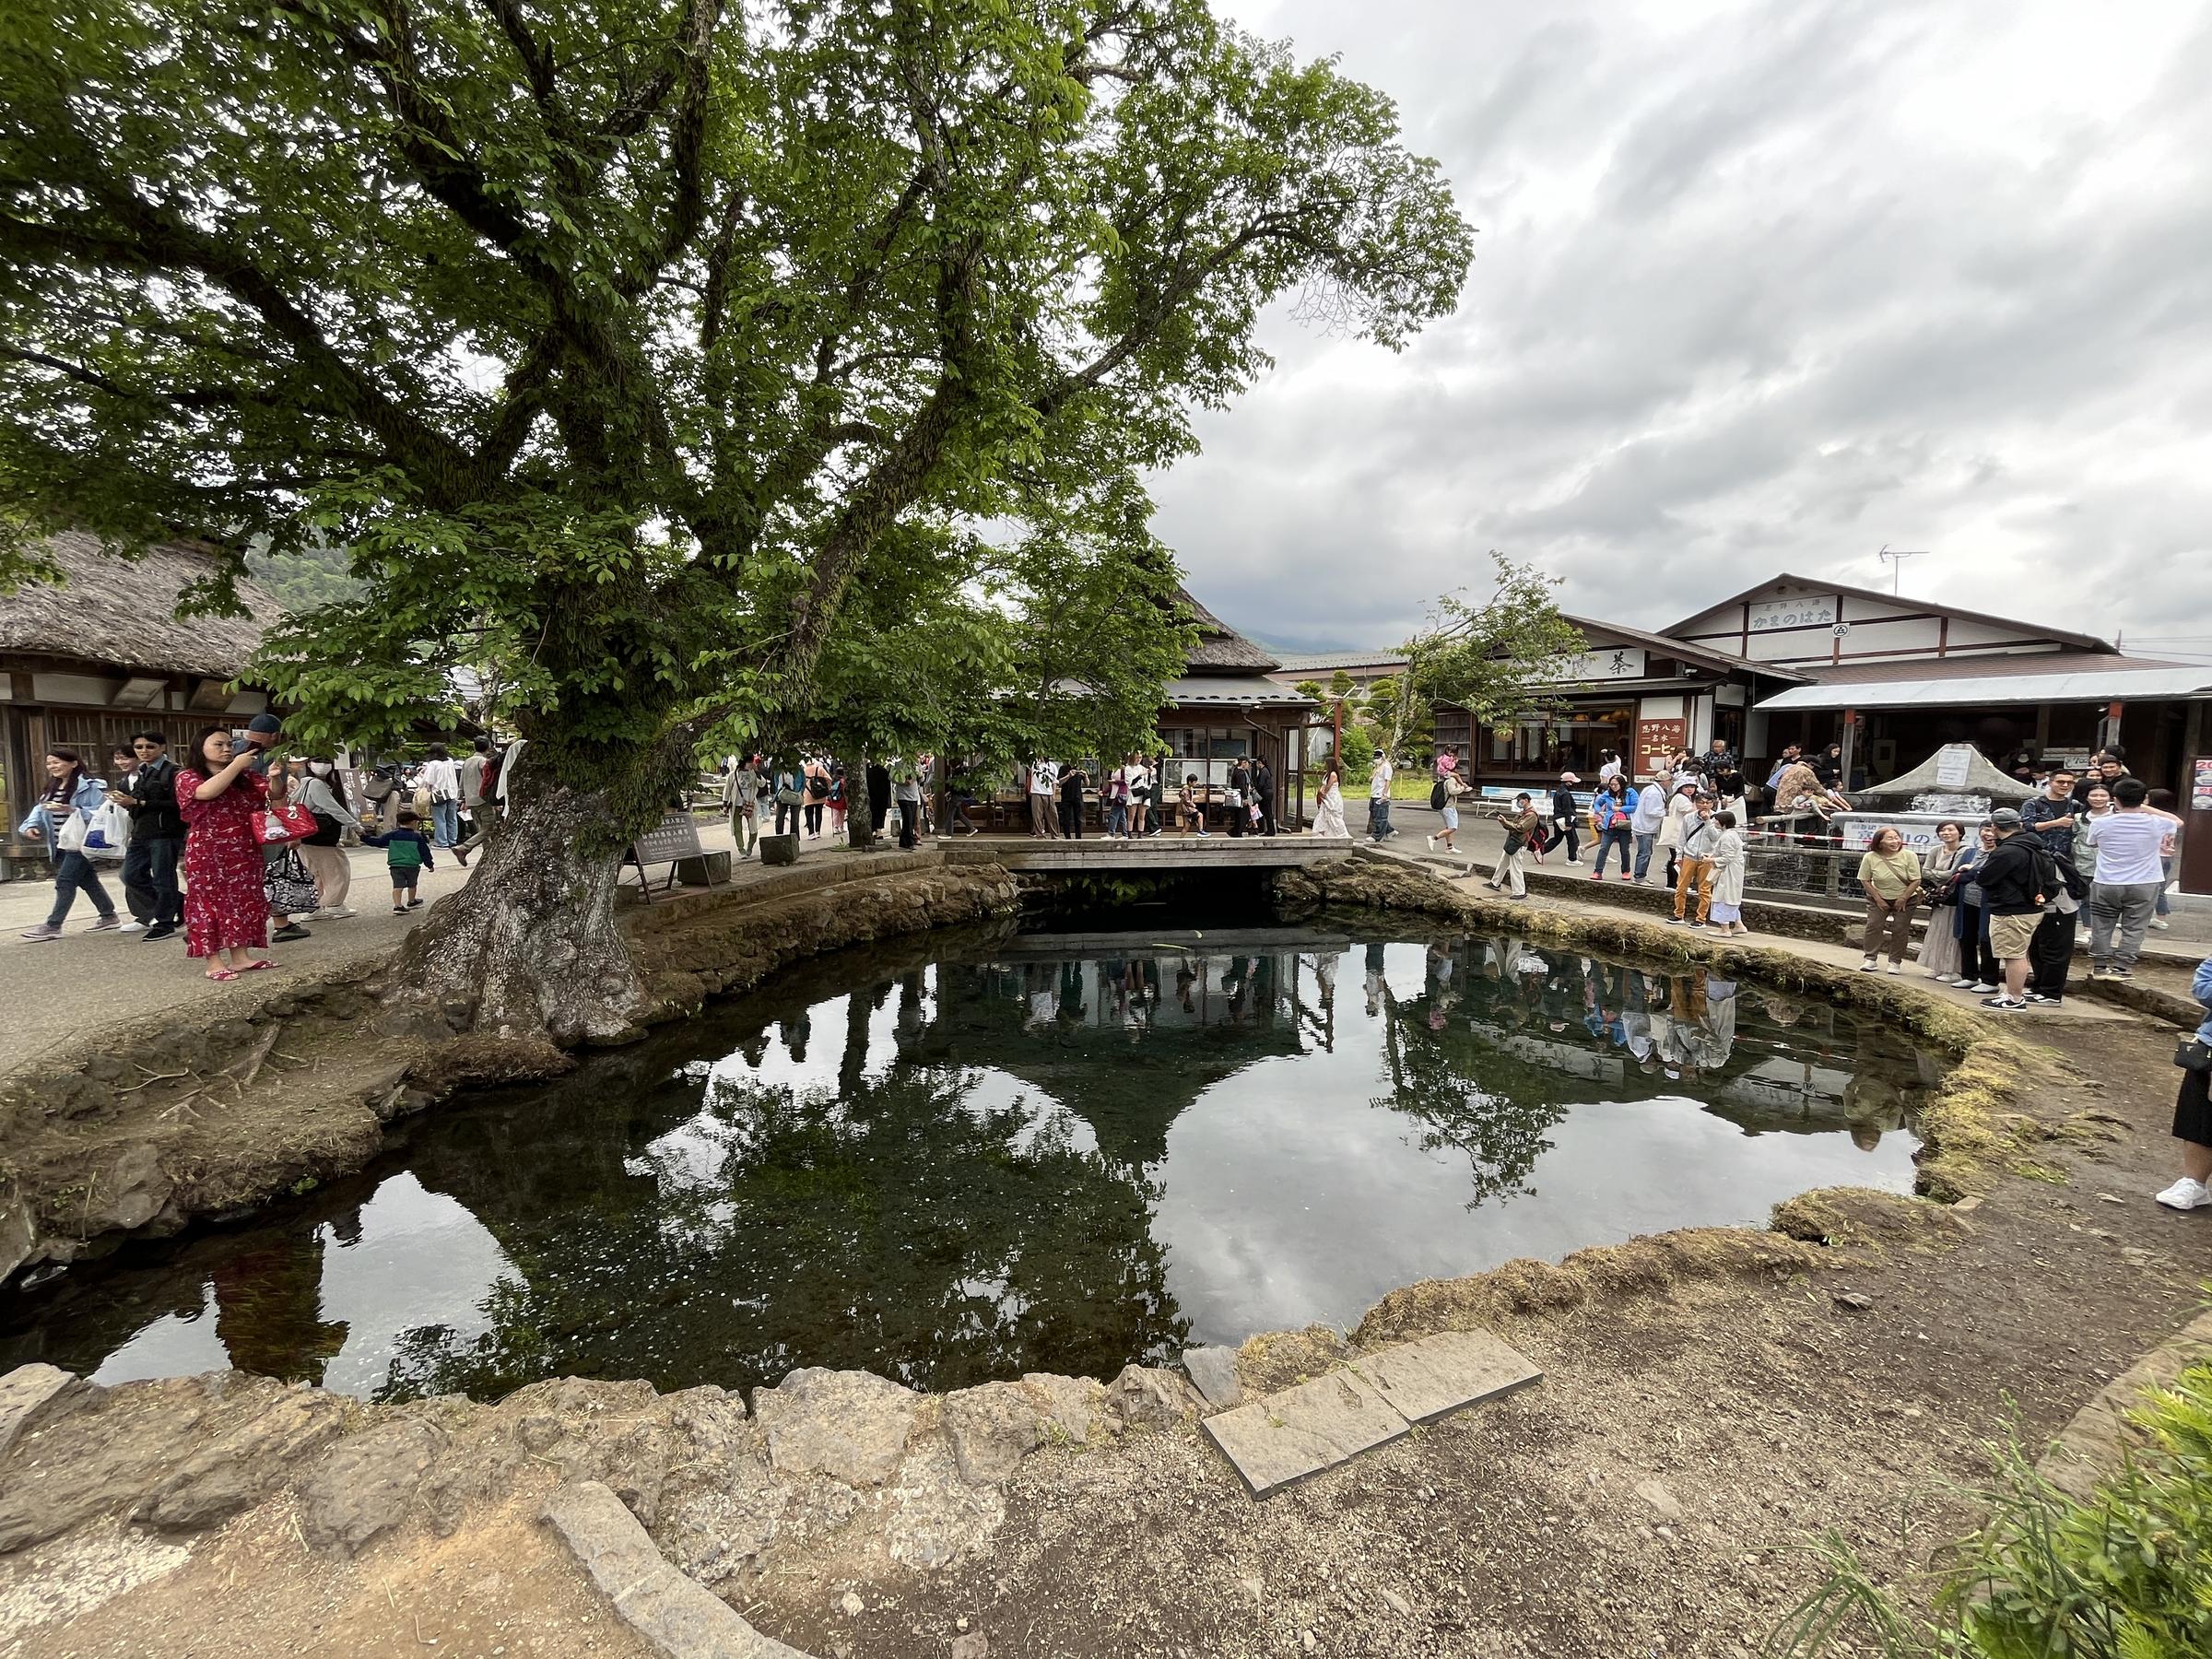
1768, 1412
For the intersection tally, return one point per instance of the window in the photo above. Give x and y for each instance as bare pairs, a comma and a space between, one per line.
1561, 740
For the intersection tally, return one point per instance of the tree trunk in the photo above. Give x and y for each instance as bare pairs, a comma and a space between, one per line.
531, 943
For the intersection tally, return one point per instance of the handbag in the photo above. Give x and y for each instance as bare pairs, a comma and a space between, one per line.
286, 821
287, 886
2194, 1054
70, 838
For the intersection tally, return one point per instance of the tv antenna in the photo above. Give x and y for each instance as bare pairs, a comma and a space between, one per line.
1895, 558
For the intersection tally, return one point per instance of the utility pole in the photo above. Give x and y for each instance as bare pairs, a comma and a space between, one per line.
1895, 558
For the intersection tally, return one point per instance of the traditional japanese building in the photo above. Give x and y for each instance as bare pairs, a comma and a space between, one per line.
87, 662
1225, 707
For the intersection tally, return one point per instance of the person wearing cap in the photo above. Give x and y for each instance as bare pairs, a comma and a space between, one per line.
2016, 878
262, 733
1564, 813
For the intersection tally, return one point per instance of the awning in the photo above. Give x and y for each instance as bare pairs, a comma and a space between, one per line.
1230, 691
2131, 685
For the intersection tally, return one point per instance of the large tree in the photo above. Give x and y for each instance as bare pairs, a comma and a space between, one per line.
617, 338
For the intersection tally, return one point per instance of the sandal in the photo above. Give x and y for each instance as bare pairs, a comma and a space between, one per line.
257, 962
221, 975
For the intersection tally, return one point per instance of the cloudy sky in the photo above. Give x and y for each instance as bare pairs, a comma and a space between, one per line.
1759, 287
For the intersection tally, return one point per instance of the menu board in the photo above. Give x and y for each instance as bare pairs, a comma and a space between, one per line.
1655, 740
2200, 786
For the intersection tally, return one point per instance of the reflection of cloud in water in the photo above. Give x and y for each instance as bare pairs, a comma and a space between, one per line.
1288, 1198
172, 1346
423, 1262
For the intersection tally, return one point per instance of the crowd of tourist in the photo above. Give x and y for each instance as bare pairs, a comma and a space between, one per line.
234, 847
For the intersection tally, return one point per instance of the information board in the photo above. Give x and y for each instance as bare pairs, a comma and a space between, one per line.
1655, 740
2200, 787
676, 836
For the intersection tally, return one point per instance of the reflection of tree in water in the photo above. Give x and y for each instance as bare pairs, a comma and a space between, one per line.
1463, 1092
901, 1225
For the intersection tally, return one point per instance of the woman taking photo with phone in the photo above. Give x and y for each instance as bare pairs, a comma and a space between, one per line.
225, 913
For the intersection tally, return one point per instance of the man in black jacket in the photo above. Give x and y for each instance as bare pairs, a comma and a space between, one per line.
150, 862
2017, 880
1566, 816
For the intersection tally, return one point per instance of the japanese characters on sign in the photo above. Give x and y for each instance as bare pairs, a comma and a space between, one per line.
1813, 610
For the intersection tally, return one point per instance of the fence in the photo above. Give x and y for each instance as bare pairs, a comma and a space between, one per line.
1782, 868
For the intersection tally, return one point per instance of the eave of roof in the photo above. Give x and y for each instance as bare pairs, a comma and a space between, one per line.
1702, 654
1822, 585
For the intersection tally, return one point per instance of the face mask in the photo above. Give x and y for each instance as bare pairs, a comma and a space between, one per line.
320, 768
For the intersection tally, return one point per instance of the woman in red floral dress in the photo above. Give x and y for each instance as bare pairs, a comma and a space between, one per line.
226, 913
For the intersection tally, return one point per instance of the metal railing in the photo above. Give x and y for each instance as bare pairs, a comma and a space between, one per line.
1788, 867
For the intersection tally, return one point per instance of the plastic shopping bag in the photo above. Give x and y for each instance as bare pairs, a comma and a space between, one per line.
109, 835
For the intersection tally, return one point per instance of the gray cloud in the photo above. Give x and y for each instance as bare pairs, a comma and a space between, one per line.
1759, 288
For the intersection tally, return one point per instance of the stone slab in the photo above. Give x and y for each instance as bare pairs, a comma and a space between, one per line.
1284, 1437
1425, 1379
1213, 1371
676, 1615
26, 1391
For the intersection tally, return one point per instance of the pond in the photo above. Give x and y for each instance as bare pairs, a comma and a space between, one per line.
964, 1156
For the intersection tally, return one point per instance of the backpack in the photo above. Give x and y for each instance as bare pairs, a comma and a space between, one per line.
2078, 885
1436, 796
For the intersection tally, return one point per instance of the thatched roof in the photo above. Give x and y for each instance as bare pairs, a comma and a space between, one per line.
1220, 648
122, 613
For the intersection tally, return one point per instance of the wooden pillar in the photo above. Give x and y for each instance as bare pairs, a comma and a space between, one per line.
2108, 729
2195, 870
1851, 748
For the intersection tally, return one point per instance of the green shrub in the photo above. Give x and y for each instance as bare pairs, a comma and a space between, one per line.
2126, 1575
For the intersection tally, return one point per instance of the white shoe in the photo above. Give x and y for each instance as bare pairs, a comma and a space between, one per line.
130, 927
1432, 841
1895, 967
2160, 923
1984, 989
336, 912
1866, 966
2187, 1194
1961, 985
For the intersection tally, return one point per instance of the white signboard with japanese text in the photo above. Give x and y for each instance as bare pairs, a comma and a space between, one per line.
1953, 765
1607, 663
1814, 610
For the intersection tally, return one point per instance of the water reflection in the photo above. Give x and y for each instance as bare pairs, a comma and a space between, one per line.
1040, 1153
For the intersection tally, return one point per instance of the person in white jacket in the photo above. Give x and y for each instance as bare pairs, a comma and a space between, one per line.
1644, 823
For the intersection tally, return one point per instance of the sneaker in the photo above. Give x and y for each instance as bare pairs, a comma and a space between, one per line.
1965, 984
1982, 988
2006, 1005
105, 924
285, 936
1205, 834
160, 930
2187, 1194
1432, 841
2160, 923
1897, 967
1598, 875
414, 904
399, 909
132, 926
2099, 971
2037, 999
1866, 966
2118, 972
337, 912
43, 930
1697, 924
1674, 920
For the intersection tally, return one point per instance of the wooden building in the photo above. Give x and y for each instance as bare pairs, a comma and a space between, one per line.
1224, 707
87, 662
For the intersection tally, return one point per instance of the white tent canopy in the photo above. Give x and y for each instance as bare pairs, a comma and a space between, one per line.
1954, 769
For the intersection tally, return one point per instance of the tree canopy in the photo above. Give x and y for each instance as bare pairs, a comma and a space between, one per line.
614, 338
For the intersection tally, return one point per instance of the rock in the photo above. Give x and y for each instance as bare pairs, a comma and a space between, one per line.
246, 1464
2134, 1257
851, 1425
95, 1451
18, 1235
667, 1610
1396, 1603
1655, 1494
992, 1429
974, 1645
934, 1517
29, 1390
1075, 1406
364, 1485
1213, 1371
1146, 1397
129, 1193
539, 1432
1973, 1201
2110, 1198
1855, 1300
850, 1604
1307, 1637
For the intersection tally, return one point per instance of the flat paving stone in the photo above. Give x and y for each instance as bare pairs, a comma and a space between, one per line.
1213, 1371
1283, 1437
1425, 1379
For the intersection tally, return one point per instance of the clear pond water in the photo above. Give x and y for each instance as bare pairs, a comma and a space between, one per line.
967, 1157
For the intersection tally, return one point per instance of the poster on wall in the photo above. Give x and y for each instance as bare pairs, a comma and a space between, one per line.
2200, 786
1656, 739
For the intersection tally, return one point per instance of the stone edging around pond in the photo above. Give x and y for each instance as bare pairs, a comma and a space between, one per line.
218, 1115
